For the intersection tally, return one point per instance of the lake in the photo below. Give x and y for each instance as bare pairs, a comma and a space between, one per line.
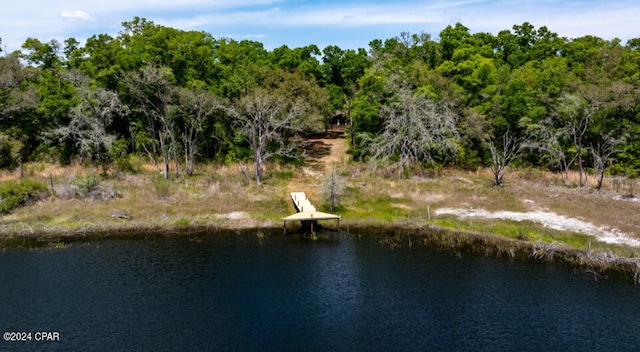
285, 293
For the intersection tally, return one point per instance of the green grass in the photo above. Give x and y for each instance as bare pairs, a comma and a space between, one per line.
532, 232
282, 174
379, 206
183, 222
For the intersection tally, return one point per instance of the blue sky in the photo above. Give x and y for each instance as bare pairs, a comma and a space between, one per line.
349, 24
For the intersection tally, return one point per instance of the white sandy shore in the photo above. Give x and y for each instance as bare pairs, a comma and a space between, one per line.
550, 220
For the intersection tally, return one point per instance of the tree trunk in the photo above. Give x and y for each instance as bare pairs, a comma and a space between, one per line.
165, 172
580, 169
188, 157
188, 169
498, 179
174, 149
258, 167
333, 192
351, 131
600, 179
243, 170
165, 157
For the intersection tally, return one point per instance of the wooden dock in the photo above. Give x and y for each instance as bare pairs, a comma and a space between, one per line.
306, 212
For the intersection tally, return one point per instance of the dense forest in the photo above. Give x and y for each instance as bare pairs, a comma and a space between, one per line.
411, 103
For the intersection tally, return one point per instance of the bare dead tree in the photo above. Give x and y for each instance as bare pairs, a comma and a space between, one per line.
579, 116
153, 89
90, 121
501, 158
195, 106
415, 128
547, 140
243, 170
602, 155
332, 188
16, 96
264, 118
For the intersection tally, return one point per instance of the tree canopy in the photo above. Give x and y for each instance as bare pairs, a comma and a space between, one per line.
413, 101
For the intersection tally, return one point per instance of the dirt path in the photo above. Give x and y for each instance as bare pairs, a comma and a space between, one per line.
331, 150
322, 154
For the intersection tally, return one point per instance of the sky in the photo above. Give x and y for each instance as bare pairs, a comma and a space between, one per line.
349, 24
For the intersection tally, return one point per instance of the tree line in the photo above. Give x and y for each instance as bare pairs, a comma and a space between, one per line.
412, 102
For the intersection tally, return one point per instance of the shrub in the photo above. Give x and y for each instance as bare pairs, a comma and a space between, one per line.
162, 187
125, 161
84, 185
87, 187
332, 189
14, 194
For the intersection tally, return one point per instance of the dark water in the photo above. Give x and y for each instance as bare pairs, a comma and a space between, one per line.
240, 293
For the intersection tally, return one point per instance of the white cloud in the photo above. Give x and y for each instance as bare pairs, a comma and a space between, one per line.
74, 15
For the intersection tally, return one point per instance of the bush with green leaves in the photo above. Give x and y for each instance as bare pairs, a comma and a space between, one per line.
84, 185
14, 194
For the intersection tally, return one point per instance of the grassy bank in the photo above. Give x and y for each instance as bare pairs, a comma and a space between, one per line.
217, 198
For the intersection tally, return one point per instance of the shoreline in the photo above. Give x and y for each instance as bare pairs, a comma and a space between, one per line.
455, 211
599, 263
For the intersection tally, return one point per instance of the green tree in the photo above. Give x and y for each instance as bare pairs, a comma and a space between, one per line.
452, 38
73, 55
341, 71
105, 60
238, 64
43, 55
189, 54
302, 59
526, 44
